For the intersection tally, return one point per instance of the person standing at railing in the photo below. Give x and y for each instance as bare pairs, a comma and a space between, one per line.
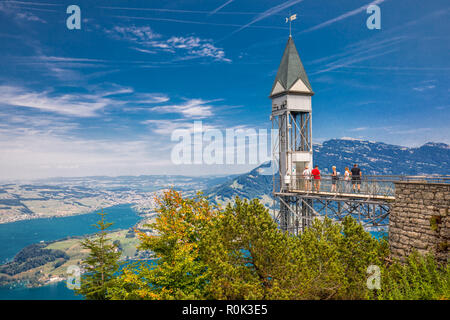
316, 175
356, 178
307, 178
347, 175
334, 179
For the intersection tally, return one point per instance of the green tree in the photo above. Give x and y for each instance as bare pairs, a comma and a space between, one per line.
240, 253
337, 258
101, 265
248, 257
419, 278
179, 273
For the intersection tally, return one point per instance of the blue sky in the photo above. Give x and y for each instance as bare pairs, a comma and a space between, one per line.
104, 100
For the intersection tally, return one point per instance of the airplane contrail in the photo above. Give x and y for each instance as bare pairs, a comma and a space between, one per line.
343, 16
222, 6
266, 14
181, 11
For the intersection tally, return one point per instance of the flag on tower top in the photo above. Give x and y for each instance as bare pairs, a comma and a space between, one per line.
291, 18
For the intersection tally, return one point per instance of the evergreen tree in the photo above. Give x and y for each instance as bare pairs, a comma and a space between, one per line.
101, 264
419, 278
247, 256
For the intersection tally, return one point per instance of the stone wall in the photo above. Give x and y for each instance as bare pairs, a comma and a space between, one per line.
420, 220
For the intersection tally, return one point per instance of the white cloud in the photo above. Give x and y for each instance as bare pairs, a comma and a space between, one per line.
78, 105
143, 50
424, 88
166, 127
197, 47
151, 98
35, 154
29, 17
358, 129
18, 124
141, 35
21, 13
189, 47
193, 108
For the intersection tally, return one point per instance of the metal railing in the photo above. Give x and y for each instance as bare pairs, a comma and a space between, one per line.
372, 185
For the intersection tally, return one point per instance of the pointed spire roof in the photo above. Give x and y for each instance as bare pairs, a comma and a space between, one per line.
291, 76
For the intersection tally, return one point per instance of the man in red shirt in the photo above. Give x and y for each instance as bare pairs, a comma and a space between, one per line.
316, 174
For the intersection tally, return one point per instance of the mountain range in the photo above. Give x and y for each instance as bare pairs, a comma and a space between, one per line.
379, 158
374, 158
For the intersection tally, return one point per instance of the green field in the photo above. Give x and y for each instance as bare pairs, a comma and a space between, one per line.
57, 270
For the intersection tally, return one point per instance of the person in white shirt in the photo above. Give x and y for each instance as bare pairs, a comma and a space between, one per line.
307, 178
347, 180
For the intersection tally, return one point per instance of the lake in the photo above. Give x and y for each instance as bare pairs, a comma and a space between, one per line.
17, 235
54, 291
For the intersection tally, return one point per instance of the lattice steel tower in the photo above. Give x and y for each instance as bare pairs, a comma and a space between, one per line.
292, 151
292, 117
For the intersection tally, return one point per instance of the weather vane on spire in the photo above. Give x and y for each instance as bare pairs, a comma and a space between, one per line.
290, 19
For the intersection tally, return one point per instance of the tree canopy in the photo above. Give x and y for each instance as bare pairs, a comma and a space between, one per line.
238, 252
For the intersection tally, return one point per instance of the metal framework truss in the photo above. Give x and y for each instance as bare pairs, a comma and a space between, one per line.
300, 131
297, 211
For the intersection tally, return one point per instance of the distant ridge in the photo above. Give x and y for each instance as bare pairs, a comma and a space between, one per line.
382, 158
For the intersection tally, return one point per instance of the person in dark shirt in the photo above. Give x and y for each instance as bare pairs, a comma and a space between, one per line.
356, 177
334, 179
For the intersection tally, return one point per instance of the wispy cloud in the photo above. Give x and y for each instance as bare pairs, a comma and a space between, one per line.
358, 129
197, 47
68, 59
343, 16
167, 127
20, 11
47, 154
424, 88
426, 85
151, 98
193, 108
142, 35
189, 47
78, 105
400, 130
143, 50
18, 123
65, 69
